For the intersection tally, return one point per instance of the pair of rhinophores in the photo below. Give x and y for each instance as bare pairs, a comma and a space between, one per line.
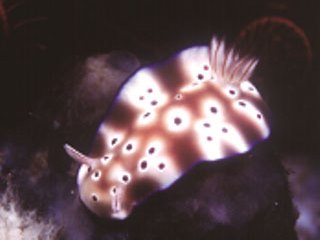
196, 106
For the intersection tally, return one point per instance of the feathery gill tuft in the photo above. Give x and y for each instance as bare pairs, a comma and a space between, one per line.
227, 64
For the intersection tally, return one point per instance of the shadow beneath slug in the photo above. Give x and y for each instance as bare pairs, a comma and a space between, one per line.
243, 197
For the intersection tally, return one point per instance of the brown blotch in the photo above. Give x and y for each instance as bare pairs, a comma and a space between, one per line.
121, 115
142, 187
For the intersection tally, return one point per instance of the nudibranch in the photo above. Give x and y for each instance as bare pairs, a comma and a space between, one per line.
196, 106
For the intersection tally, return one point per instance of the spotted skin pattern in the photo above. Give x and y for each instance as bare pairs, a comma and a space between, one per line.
196, 106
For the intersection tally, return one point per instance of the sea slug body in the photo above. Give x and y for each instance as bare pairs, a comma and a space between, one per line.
196, 106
